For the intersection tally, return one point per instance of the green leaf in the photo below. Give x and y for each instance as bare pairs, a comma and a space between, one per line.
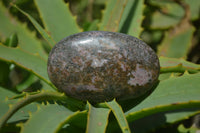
177, 65
112, 15
39, 96
80, 120
57, 18
119, 115
164, 76
12, 41
48, 119
27, 83
168, 14
177, 42
6, 103
27, 40
192, 129
173, 93
23, 113
97, 119
132, 17
92, 26
163, 119
32, 63
194, 8
45, 35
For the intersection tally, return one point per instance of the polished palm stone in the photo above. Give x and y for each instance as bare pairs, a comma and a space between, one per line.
99, 66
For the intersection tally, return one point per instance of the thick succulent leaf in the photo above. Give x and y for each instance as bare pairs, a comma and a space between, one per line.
194, 6
12, 41
32, 63
132, 17
23, 113
45, 35
28, 98
183, 129
97, 119
112, 15
27, 40
173, 93
177, 65
4, 94
119, 115
76, 124
177, 42
93, 26
164, 76
27, 83
169, 14
160, 120
80, 120
48, 119
6, 103
57, 18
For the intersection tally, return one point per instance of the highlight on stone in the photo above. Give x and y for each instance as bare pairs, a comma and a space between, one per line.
99, 66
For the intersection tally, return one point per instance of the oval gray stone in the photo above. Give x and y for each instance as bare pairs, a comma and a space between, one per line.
99, 66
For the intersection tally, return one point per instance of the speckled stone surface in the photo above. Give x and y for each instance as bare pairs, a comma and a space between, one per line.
98, 66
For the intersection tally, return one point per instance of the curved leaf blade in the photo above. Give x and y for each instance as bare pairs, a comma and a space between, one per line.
177, 65
177, 43
6, 103
131, 21
169, 14
57, 18
194, 6
47, 119
164, 119
119, 115
46, 36
173, 93
30, 62
39, 96
27, 40
97, 119
112, 15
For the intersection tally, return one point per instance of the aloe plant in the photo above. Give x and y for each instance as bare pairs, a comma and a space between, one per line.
44, 109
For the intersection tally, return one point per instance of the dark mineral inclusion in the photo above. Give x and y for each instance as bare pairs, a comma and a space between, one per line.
98, 66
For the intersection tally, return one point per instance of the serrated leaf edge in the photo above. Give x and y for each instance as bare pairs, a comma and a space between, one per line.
161, 108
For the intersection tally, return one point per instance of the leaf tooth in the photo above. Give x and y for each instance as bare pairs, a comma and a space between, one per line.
26, 95
38, 107
47, 103
30, 113
62, 94
10, 106
55, 102
142, 20
20, 124
102, 13
186, 72
6, 98
74, 17
172, 75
